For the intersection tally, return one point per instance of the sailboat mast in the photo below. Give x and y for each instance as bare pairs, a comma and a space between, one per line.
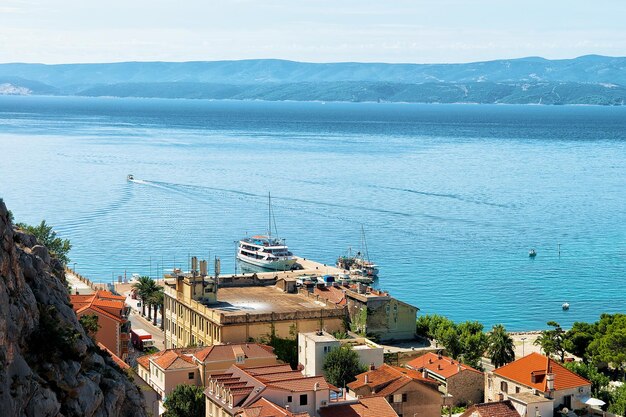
367, 253
269, 215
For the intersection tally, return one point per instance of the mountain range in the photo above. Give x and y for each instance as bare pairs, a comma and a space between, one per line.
590, 79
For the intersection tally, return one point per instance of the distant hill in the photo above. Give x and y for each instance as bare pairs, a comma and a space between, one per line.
585, 80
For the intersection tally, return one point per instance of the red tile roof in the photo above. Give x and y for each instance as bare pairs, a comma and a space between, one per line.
335, 295
523, 370
439, 364
387, 379
174, 359
495, 409
365, 407
301, 383
218, 353
101, 302
116, 359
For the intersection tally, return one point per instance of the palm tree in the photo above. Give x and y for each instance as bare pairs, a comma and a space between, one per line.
501, 348
144, 287
156, 300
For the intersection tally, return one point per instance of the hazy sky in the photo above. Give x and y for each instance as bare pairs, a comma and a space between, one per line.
62, 31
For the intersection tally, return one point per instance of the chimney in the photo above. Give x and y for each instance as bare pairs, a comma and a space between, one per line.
372, 366
550, 382
287, 407
458, 367
367, 378
439, 355
316, 387
424, 373
439, 367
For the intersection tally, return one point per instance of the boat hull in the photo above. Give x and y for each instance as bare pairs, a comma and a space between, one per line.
278, 265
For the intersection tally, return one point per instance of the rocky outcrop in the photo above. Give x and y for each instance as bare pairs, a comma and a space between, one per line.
48, 365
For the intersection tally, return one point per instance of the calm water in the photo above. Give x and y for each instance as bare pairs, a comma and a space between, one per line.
452, 197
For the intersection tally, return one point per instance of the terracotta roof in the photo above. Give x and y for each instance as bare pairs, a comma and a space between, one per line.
101, 302
265, 408
365, 407
440, 365
494, 409
144, 361
116, 359
387, 379
333, 294
302, 383
268, 369
174, 359
531, 371
217, 353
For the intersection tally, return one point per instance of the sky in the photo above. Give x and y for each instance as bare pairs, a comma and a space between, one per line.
417, 31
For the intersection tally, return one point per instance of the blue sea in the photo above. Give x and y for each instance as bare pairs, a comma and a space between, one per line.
451, 197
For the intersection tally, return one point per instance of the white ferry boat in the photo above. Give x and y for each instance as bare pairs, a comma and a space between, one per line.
266, 251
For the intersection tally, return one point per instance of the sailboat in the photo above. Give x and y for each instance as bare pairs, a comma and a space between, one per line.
266, 251
359, 263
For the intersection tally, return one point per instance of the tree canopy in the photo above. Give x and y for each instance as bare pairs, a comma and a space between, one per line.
552, 341
501, 348
90, 324
59, 248
185, 401
341, 366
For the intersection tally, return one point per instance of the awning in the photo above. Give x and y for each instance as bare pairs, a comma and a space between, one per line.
592, 401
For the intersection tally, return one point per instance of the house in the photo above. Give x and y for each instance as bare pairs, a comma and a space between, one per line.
112, 312
537, 383
166, 369
230, 393
363, 407
372, 313
464, 383
314, 346
495, 409
407, 391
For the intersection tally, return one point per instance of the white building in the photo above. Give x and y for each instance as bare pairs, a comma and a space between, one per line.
536, 384
314, 346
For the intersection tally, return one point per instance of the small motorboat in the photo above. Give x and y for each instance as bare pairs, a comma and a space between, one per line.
130, 177
532, 253
565, 306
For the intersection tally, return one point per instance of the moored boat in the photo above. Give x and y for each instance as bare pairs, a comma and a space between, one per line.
266, 251
532, 253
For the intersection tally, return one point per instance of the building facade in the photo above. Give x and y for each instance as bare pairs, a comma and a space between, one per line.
373, 313
197, 314
534, 377
464, 383
164, 370
112, 312
314, 346
407, 391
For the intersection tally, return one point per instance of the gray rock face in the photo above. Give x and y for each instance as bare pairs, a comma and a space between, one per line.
48, 365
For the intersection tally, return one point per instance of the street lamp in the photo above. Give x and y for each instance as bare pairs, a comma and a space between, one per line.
523, 339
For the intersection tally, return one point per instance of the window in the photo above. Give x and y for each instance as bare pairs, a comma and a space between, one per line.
289, 398
517, 390
191, 375
504, 387
397, 398
404, 398
304, 399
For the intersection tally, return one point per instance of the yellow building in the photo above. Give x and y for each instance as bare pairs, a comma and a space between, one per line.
197, 313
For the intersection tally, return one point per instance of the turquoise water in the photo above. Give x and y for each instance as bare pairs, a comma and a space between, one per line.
452, 197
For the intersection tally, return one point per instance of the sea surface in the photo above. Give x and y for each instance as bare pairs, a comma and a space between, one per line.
451, 197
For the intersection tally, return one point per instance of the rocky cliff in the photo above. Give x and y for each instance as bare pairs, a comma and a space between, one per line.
48, 365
